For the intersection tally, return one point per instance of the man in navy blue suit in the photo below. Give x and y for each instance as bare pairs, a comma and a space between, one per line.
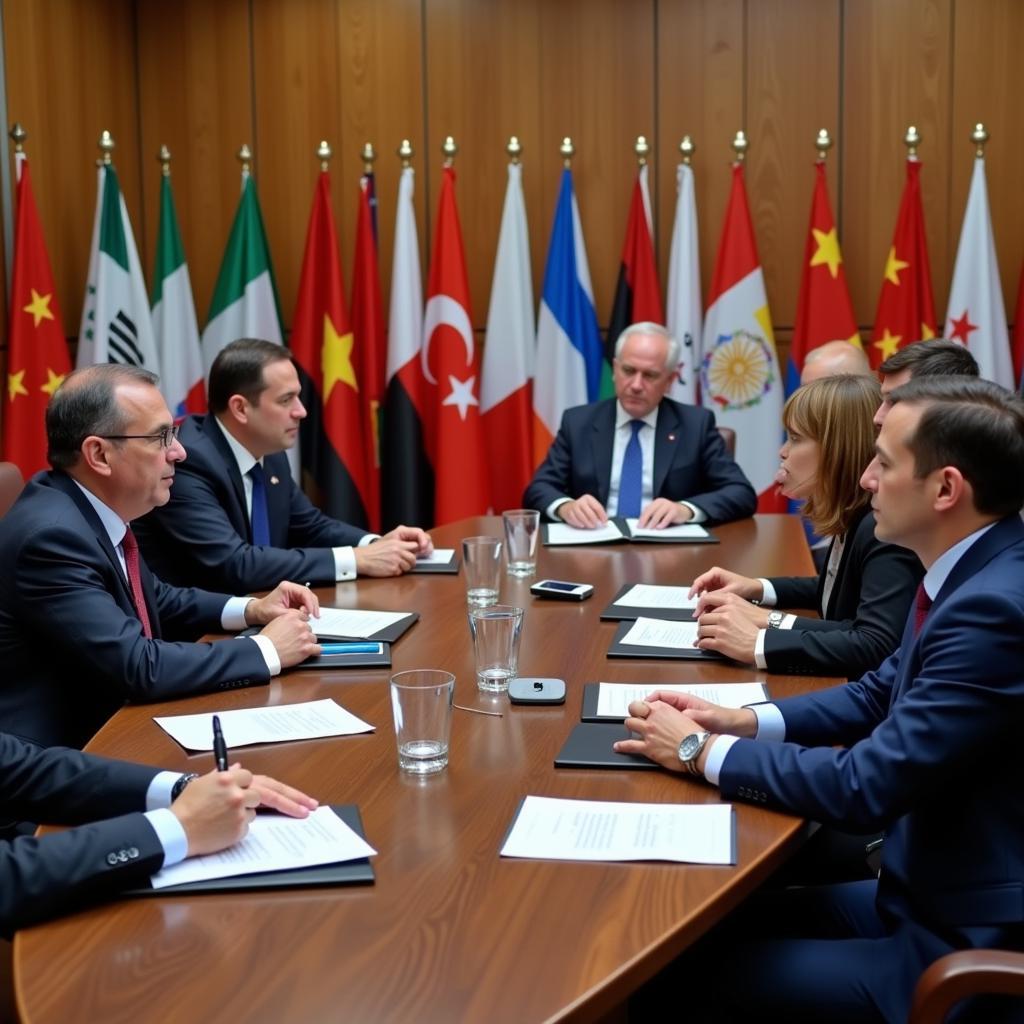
926, 747
640, 454
134, 820
235, 519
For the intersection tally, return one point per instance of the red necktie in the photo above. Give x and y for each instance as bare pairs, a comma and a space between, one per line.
130, 546
922, 605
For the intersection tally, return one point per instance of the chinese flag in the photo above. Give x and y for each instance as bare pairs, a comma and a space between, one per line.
38, 353
451, 372
824, 311
906, 309
321, 342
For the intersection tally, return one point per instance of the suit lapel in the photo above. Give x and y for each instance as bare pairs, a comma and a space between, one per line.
227, 466
602, 442
666, 439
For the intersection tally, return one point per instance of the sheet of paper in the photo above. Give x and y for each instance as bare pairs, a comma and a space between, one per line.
684, 531
613, 699
274, 843
563, 533
245, 726
353, 622
439, 556
662, 633
650, 595
554, 829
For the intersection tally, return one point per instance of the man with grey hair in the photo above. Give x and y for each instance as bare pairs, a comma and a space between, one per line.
834, 358
640, 454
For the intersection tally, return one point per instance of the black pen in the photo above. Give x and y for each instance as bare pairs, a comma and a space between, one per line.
220, 749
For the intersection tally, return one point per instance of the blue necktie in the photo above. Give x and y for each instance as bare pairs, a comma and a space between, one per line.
632, 479
260, 518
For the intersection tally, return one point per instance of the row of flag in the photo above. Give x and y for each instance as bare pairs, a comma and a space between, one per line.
407, 423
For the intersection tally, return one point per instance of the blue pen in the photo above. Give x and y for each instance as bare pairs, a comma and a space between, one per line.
351, 648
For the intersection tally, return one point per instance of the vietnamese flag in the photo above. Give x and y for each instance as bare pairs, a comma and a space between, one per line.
321, 343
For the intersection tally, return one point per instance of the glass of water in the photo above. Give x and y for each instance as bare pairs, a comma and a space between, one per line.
496, 631
421, 701
481, 562
522, 525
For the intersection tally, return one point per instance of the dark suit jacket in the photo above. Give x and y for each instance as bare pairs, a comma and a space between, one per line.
690, 461
42, 877
203, 537
873, 590
71, 643
930, 750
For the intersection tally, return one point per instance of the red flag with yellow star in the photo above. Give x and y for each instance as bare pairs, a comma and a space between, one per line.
333, 452
38, 357
823, 310
906, 309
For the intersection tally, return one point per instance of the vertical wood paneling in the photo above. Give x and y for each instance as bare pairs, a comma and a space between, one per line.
195, 93
787, 102
896, 74
700, 93
470, 43
597, 84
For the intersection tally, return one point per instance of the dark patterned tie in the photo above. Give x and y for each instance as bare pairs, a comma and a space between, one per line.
922, 605
260, 517
130, 547
632, 479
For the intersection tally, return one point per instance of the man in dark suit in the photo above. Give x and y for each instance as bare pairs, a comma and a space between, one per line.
84, 625
236, 519
640, 454
928, 745
936, 357
133, 820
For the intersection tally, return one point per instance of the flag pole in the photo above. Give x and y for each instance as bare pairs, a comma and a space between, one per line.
106, 146
368, 156
405, 153
244, 157
568, 150
641, 148
514, 148
164, 159
740, 145
823, 143
449, 149
912, 140
687, 148
323, 154
979, 137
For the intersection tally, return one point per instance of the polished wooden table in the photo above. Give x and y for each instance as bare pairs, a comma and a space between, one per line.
450, 931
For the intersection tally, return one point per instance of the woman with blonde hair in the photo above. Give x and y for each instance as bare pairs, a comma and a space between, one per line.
866, 587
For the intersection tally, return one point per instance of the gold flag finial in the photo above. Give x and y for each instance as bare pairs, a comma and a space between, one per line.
18, 136
979, 137
740, 146
514, 148
449, 149
323, 154
368, 155
106, 146
164, 159
687, 148
405, 153
912, 140
823, 143
244, 157
642, 149
568, 150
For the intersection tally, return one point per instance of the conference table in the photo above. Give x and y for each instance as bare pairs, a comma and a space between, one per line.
450, 931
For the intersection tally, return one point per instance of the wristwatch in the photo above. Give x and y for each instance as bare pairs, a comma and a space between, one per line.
179, 787
775, 620
690, 748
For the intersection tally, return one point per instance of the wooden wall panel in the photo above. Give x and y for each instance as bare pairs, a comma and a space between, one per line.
700, 93
788, 100
597, 84
896, 57
71, 74
195, 95
469, 43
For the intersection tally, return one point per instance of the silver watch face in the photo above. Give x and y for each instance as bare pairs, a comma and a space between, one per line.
690, 747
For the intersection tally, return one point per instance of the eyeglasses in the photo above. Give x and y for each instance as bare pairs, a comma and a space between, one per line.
166, 436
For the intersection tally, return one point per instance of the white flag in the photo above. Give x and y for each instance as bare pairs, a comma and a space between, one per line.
684, 307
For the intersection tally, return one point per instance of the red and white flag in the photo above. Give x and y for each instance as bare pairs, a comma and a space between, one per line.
977, 316
683, 288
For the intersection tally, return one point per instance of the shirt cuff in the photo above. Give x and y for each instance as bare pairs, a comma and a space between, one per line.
768, 598
788, 621
771, 726
169, 834
716, 756
698, 516
232, 619
759, 659
269, 652
554, 507
344, 563
159, 792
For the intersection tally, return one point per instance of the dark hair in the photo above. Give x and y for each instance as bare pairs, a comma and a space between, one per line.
976, 426
86, 403
238, 370
933, 358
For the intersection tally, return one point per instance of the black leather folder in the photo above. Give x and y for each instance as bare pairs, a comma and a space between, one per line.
618, 612
620, 650
590, 746
382, 660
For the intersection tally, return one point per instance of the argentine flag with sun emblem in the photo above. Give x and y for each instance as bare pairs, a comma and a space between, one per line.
739, 372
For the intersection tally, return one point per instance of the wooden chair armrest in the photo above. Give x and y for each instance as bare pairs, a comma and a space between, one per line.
966, 973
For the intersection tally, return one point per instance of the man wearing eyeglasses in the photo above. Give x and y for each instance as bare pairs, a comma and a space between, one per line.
640, 454
84, 624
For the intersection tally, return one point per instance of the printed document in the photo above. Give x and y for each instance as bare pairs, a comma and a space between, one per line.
613, 699
662, 633
553, 829
353, 622
439, 556
651, 595
245, 726
684, 531
274, 842
563, 533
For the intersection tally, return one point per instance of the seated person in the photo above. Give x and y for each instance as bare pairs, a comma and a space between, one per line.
640, 454
834, 358
936, 357
141, 820
236, 519
866, 586
84, 624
